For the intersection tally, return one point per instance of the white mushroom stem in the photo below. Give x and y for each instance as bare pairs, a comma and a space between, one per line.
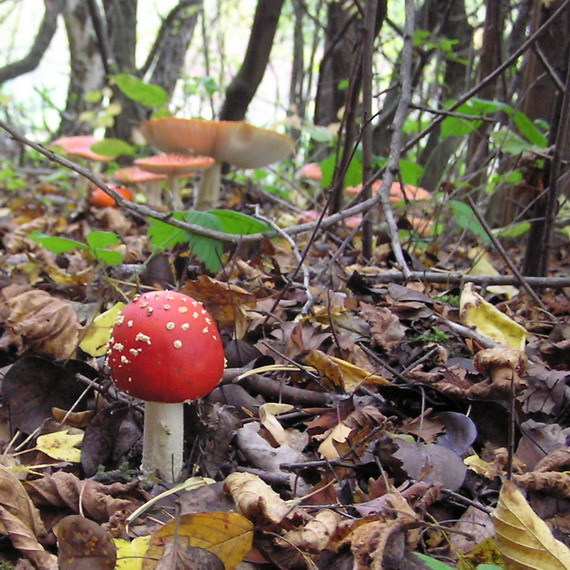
209, 191
163, 441
154, 194
175, 196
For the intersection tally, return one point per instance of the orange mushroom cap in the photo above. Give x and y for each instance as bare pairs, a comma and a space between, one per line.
174, 164
101, 199
81, 146
311, 171
411, 192
136, 175
236, 142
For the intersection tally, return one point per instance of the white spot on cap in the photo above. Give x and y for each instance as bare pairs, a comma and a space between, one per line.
119, 320
143, 338
149, 310
166, 307
134, 351
183, 309
170, 325
214, 337
177, 344
143, 304
130, 324
195, 314
209, 321
185, 326
170, 297
205, 330
118, 346
124, 359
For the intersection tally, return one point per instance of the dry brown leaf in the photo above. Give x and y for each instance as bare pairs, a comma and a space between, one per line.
37, 321
523, 538
100, 502
255, 499
385, 328
228, 535
349, 434
343, 374
84, 545
220, 299
316, 535
556, 460
550, 483
24, 539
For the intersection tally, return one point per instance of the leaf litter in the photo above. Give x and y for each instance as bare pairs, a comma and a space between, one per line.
370, 432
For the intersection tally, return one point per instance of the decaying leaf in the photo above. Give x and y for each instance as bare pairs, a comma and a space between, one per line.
100, 502
488, 320
227, 535
36, 321
523, 538
316, 535
550, 482
350, 434
130, 555
84, 545
385, 328
255, 499
341, 374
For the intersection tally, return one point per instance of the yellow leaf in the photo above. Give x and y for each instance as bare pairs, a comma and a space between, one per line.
61, 445
339, 434
343, 374
130, 555
484, 266
488, 320
98, 332
228, 535
523, 538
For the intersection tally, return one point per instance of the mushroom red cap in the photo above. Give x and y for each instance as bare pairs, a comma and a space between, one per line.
165, 347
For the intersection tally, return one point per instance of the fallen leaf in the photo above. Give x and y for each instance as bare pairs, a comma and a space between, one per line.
255, 499
341, 374
97, 334
386, 330
130, 555
488, 321
84, 545
523, 538
227, 535
61, 445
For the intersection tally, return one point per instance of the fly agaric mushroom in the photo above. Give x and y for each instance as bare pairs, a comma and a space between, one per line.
81, 146
236, 142
147, 180
413, 193
175, 166
165, 350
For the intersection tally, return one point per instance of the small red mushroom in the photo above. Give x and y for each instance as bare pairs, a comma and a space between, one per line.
165, 349
100, 199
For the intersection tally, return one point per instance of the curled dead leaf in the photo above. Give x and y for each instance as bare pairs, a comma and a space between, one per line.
36, 321
255, 499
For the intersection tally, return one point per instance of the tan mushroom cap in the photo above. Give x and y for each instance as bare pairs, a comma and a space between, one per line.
236, 142
174, 164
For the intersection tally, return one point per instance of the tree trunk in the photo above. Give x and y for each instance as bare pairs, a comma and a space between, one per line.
241, 90
87, 70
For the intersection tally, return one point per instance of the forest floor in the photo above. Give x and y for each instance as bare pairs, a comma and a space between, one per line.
363, 421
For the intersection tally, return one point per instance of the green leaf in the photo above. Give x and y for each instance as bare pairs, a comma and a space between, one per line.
513, 230
139, 91
108, 256
466, 220
238, 223
509, 142
207, 250
113, 147
432, 562
56, 244
101, 239
529, 131
353, 173
411, 172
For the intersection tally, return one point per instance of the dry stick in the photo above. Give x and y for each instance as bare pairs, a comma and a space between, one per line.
457, 278
507, 258
300, 261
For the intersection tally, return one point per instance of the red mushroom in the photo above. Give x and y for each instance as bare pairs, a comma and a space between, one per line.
149, 182
165, 349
